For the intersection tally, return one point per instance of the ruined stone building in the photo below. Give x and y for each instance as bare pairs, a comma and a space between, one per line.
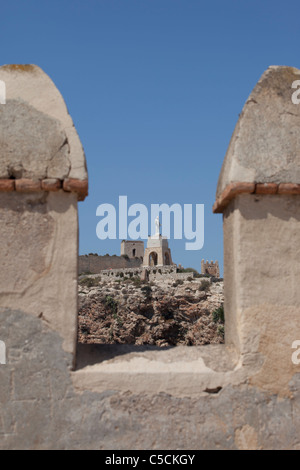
132, 248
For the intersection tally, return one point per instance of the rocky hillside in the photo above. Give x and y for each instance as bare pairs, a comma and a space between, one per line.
163, 312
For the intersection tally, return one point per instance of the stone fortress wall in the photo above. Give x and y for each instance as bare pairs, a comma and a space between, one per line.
128, 264
135, 261
152, 272
95, 264
117, 266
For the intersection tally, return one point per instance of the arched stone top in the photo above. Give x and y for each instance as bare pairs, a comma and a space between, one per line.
39, 145
264, 150
153, 252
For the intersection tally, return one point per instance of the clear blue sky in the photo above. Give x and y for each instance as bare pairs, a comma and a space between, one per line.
154, 88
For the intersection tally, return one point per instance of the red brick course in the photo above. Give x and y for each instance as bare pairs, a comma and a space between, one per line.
80, 187
233, 189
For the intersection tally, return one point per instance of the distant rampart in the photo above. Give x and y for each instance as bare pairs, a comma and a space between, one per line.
94, 264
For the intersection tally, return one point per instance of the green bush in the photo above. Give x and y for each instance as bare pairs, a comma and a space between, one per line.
204, 286
118, 319
219, 318
89, 281
218, 315
217, 279
136, 281
111, 303
187, 270
178, 282
147, 291
221, 331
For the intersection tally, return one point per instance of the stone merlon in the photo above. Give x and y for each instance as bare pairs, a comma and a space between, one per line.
34, 108
263, 154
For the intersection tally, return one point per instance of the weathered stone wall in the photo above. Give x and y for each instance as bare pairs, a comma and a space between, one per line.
152, 272
125, 272
165, 271
94, 264
31, 225
262, 300
42, 407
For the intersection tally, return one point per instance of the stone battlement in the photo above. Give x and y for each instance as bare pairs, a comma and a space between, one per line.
211, 268
244, 394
